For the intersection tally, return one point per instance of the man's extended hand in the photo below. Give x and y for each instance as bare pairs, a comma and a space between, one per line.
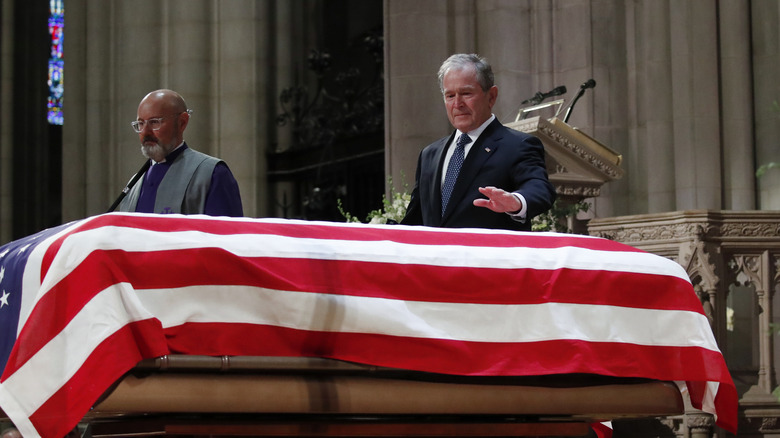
498, 200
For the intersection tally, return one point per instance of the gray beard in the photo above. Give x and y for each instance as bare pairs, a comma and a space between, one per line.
155, 152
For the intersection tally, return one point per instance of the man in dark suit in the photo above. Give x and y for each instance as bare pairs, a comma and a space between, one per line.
484, 174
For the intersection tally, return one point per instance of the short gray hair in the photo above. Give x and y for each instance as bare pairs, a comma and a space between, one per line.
463, 60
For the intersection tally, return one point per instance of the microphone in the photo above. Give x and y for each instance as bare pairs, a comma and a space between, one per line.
539, 96
130, 185
590, 83
557, 91
536, 99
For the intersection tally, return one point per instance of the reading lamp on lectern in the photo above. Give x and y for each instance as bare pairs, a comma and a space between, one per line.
590, 83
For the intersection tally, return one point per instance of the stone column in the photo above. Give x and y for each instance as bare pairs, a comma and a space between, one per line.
695, 105
235, 114
414, 109
285, 200
766, 96
654, 148
699, 425
738, 156
89, 127
190, 39
610, 104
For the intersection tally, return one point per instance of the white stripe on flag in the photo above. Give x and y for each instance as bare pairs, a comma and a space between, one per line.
101, 317
31, 280
434, 320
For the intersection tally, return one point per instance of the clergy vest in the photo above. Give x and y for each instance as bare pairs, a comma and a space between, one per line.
184, 187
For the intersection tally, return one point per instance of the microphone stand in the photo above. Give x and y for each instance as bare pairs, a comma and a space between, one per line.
130, 185
590, 83
568, 110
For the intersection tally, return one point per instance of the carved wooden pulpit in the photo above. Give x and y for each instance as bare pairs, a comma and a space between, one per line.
577, 163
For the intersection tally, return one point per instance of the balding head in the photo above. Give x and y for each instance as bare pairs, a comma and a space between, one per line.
170, 108
165, 100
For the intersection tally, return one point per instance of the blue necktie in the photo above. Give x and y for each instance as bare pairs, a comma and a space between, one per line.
456, 161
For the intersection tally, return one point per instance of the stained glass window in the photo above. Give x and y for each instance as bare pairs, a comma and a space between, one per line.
56, 63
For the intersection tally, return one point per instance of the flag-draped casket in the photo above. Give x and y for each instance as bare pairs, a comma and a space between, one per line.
85, 302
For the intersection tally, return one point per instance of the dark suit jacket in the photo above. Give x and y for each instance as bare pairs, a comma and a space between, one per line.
501, 157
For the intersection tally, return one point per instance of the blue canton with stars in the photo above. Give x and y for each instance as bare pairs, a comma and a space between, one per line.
13, 259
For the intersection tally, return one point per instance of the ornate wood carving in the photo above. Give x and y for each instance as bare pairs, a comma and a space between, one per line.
588, 156
577, 164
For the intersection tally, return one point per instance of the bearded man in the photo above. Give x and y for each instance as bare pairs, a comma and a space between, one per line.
179, 179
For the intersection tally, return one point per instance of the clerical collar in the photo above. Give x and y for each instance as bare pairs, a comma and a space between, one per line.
173, 154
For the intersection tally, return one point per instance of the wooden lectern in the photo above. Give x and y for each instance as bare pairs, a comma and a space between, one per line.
577, 164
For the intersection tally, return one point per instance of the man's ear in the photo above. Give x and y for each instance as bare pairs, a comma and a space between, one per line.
492, 95
184, 120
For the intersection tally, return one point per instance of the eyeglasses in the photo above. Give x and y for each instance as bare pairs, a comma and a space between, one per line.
154, 123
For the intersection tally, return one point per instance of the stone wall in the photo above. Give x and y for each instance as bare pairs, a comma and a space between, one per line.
683, 88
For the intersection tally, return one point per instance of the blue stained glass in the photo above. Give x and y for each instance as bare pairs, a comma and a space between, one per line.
56, 62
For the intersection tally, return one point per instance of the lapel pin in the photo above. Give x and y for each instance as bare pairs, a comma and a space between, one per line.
487, 149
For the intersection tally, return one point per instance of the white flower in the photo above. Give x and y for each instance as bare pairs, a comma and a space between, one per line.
393, 208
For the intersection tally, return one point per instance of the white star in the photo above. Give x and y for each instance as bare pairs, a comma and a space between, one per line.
4, 299
21, 250
2, 273
2, 254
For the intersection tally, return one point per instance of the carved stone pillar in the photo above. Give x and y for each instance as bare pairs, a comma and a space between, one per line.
700, 260
699, 426
754, 269
733, 260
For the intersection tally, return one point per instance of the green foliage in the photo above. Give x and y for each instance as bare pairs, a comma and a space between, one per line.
555, 219
347, 215
764, 167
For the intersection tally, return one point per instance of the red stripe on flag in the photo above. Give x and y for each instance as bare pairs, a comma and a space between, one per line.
107, 363
725, 408
215, 266
449, 356
601, 430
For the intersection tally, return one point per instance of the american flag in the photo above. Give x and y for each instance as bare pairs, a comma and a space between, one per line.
101, 294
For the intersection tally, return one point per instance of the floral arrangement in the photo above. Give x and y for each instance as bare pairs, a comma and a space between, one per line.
392, 211
764, 167
554, 219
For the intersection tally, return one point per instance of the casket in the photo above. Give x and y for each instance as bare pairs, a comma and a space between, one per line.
267, 327
268, 396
